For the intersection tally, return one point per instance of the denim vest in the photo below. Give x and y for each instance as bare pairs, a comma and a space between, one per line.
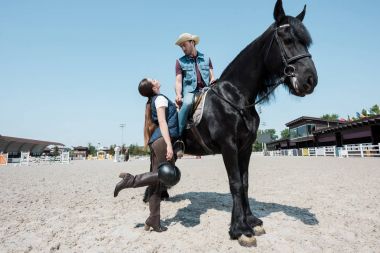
189, 74
171, 119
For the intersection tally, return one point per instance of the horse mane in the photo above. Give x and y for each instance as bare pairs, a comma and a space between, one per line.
298, 31
259, 44
269, 80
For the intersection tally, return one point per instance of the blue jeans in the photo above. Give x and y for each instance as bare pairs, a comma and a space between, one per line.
187, 102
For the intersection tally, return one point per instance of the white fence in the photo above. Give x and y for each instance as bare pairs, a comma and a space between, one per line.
65, 157
26, 159
362, 150
356, 150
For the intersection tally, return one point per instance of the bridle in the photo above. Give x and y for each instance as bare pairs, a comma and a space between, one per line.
289, 69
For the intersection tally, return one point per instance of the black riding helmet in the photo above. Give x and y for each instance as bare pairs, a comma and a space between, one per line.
168, 174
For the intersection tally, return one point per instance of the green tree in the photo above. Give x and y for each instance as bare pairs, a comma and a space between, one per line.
257, 146
134, 149
272, 133
91, 149
332, 116
285, 134
375, 110
364, 112
264, 135
55, 151
112, 150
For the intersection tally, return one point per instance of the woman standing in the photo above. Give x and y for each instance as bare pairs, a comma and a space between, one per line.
160, 131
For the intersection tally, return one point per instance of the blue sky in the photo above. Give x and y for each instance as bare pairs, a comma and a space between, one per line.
69, 70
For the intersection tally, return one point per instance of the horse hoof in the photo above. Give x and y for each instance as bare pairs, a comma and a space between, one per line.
122, 174
246, 241
259, 230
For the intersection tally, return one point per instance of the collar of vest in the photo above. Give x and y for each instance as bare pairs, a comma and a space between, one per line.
199, 55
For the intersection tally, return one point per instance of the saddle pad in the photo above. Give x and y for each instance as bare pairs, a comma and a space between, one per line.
197, 116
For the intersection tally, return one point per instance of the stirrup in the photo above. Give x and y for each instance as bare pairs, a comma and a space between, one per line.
179, 148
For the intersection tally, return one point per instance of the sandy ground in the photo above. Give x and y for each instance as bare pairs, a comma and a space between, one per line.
307, 205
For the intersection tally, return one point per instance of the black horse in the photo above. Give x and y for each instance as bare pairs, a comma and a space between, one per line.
230, 121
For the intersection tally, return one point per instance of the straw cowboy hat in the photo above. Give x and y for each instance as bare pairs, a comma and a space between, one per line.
186, 37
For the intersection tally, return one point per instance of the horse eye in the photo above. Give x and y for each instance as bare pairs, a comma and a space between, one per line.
288, 41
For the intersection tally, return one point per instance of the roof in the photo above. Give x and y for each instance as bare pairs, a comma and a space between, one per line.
278, 141
306, 119
14, 144
80, 148
374, 120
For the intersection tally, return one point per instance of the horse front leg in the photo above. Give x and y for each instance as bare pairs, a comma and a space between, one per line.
239, 228
253, 221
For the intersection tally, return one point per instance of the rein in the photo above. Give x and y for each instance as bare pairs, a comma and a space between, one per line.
242, 109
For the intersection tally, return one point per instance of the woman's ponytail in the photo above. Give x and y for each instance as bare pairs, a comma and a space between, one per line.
149, 125
146, 89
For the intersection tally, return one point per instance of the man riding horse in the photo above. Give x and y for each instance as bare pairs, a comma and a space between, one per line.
194, 71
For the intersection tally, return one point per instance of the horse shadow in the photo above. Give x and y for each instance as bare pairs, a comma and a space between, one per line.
200, 202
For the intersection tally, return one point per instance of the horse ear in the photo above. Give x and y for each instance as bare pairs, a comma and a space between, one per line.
279, 12
302, 14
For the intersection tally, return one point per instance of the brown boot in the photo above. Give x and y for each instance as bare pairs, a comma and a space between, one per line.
153, 220
140, 180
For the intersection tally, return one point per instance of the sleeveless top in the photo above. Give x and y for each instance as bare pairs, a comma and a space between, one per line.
171, 118
189, 76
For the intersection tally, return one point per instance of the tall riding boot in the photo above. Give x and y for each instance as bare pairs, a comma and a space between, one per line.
148, 192
130, 181
153, 220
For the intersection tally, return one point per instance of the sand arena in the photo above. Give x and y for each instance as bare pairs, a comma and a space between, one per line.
307, 204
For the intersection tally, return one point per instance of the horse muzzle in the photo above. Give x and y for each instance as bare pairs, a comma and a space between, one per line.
302, 88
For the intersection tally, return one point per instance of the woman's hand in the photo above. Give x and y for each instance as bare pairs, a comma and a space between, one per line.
178, 101
169, 152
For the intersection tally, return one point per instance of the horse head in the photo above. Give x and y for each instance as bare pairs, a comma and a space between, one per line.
287, 53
